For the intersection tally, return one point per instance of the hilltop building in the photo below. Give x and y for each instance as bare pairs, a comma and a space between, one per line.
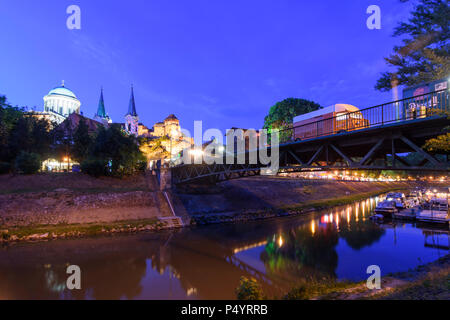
167, 136
62, 107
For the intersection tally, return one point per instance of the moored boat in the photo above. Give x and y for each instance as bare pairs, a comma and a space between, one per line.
399, 200
386, 208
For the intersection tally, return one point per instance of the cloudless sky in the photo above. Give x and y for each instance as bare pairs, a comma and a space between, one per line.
221, 61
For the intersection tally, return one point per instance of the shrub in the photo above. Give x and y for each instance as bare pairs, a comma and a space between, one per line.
28, 162
249, 289
5, 167
94, 167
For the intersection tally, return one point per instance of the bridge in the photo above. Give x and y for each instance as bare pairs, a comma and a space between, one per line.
377, 143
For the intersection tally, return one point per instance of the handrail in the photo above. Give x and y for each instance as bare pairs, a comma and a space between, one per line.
396, 111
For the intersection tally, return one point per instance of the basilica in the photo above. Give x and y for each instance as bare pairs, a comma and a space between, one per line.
61, 106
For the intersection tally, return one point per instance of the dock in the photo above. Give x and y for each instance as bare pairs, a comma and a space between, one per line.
407, 214
436, 217
422, 216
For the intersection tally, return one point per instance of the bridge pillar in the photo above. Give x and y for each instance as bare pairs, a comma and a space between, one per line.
165, 180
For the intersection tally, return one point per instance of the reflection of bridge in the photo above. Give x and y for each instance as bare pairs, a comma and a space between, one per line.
392, 129
258, 275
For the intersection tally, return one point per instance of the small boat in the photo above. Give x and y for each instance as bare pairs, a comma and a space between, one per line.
412, 200
386, 208
399, 199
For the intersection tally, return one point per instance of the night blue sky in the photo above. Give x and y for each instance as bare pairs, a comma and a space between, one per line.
223, 62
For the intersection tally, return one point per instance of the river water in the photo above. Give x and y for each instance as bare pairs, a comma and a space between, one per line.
207, 262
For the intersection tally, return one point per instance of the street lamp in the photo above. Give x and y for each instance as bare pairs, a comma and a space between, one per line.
66, 159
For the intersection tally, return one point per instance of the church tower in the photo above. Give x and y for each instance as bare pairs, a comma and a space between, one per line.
101, 115
131, 118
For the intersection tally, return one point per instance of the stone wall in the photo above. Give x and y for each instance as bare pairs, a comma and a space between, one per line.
66, 207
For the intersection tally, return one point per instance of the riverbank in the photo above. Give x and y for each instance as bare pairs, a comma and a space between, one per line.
300, 209
44, 207
426, 282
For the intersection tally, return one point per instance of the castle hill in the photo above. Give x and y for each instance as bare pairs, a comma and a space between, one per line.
220, 151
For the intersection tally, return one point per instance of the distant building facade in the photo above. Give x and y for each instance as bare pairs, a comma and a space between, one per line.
63, 108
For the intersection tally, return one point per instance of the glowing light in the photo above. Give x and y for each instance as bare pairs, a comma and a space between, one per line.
313, 227
196, 152
280, 241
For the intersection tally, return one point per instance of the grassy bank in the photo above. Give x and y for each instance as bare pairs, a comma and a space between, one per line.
426, 282
47, 232
333, 202
74, 182
75, 190
268, 213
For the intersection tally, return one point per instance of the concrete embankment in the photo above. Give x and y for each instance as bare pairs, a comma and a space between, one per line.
76, 199
267, 197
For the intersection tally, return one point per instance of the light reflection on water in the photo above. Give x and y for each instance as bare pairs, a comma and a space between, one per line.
207, 262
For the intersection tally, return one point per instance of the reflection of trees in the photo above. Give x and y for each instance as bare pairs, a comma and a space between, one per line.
112, 278
37, 280
360, 234
302, 254
109, 270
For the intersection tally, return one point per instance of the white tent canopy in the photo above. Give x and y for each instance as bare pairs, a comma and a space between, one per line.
335, 108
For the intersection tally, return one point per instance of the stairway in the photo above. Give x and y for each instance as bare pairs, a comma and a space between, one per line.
164, 203
171, 222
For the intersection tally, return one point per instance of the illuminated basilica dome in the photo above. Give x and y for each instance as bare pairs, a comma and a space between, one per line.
61, 102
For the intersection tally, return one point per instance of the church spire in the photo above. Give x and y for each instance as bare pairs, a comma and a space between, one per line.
132, 104
101, 112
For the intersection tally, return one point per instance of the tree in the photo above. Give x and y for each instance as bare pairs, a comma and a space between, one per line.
8, 118
119, 150
4, 102
440, 144
154, 149
29, 134
282, 114
81, 141
28, 162
425, 53
249, 289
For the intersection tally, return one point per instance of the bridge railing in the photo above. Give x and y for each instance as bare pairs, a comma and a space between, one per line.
417, 107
